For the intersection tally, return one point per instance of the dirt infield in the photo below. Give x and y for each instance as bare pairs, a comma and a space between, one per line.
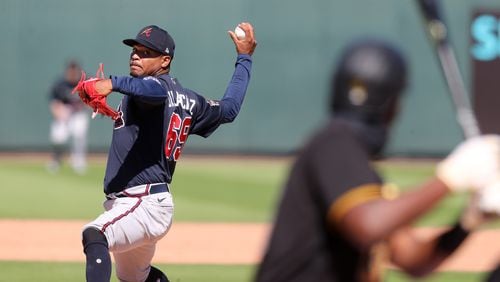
201, 243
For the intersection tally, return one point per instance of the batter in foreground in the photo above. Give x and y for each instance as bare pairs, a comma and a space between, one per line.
337, 220
154, 119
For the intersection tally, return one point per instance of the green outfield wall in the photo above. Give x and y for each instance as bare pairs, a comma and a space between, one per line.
298, 41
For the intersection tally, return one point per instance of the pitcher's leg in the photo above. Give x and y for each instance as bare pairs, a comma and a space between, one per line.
98, 260
134, 265
132, 226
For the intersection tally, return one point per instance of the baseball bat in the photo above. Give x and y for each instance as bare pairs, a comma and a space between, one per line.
438, 33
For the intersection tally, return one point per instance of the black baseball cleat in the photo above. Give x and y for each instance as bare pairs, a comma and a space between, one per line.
156, 275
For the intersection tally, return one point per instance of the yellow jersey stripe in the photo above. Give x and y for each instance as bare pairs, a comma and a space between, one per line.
353, 198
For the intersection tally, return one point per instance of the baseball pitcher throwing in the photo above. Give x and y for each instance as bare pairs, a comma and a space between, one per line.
151, 125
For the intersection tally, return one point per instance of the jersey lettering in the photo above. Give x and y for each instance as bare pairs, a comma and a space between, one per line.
177, 134
180, 100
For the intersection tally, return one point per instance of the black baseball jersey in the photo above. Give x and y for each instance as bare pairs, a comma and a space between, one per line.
157, 115
61, 91
303, 246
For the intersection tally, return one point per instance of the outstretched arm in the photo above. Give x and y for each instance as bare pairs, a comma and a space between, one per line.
235, 92
419, 256
472, 166
148, 89
373, 221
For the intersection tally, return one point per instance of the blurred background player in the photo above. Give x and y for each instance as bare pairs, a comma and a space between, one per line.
337, 219
70, 119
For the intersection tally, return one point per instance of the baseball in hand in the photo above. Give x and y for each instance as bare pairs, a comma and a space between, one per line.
239, 33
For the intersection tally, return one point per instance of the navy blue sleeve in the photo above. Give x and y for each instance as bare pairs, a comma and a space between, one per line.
147, 90
235, 92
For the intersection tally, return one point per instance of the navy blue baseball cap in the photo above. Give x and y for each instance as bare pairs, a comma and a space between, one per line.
154, 38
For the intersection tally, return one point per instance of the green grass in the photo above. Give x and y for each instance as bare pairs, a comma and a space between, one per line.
30, 191
204, 189
65, 272
69, 272
227, 191
398, 276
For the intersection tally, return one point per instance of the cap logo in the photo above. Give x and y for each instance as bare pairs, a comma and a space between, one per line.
147, 31
358, 94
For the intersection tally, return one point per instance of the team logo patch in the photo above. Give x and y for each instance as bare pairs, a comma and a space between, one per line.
213, 103
147, 32
119, 122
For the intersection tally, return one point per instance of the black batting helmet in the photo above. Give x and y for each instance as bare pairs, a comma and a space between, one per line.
368, 80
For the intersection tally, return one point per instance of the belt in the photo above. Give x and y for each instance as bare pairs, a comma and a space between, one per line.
140, 191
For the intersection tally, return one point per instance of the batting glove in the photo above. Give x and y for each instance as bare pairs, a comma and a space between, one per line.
489, 199
472, 165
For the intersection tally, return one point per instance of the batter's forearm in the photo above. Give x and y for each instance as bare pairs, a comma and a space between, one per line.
374, 221
419, 257
414, 255
411, 205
